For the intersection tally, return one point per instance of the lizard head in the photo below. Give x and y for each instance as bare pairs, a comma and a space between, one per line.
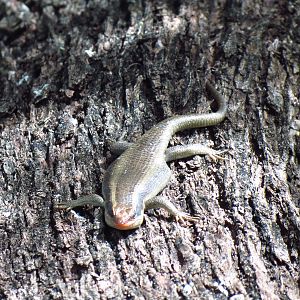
124, 218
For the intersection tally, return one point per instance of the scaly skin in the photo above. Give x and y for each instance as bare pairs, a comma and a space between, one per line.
134, 179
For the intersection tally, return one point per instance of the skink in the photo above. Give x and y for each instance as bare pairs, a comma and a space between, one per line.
133, 181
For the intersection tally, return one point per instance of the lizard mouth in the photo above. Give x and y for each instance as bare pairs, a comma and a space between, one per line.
123, 222
127, 225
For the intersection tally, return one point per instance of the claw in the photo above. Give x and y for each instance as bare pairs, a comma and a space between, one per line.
216, 155
184, 216
63, 205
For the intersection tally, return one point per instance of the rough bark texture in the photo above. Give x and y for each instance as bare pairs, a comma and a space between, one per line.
76, 74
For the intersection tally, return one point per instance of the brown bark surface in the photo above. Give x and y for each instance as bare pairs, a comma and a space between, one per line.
75, 75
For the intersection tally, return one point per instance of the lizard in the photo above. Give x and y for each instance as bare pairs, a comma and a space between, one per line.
131, 184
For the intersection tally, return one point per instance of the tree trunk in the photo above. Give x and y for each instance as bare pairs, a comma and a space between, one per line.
76, 75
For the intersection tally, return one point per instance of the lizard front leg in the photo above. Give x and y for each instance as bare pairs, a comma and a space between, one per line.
93, 199
161, 202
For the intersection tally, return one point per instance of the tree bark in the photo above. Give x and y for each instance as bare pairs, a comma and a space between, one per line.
76, 75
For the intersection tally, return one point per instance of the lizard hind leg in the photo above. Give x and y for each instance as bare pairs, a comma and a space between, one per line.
183, 151
119, 147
